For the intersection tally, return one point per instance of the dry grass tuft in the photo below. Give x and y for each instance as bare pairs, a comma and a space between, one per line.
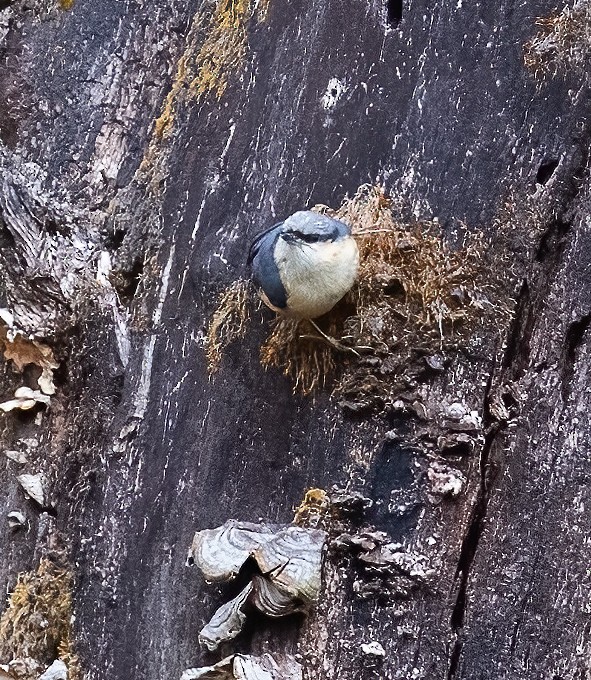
410, 280
563, 43
38, 621
228, 323
306, 360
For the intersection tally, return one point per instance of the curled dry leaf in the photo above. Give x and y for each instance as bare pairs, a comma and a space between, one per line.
22, 351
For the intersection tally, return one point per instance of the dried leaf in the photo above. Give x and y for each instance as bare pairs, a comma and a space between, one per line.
23, 352
33, 486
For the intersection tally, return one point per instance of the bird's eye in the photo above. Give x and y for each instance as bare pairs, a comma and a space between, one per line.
307, 238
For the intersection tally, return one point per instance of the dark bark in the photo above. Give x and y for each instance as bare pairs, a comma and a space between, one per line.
141, 448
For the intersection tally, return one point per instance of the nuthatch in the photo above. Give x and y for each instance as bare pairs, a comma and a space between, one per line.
303, 266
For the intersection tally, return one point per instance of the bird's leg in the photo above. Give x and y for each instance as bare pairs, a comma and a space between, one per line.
333, 342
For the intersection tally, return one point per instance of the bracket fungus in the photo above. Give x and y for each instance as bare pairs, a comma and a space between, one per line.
289, 561
227, 621
247, 667
16, 520
24, 399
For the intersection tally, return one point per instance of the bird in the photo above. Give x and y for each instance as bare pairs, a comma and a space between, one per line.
303, 266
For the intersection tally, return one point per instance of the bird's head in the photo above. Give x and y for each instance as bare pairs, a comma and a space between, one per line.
303, 266
307, 228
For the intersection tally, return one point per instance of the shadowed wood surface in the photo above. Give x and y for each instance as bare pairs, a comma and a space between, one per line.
118, 233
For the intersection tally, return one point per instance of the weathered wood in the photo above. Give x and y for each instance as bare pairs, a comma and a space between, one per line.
142, 148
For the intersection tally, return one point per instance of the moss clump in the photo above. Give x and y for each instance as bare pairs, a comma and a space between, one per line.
313, 510
563, 43
37, 623
294, 347
410, 281
228, 323
66, 4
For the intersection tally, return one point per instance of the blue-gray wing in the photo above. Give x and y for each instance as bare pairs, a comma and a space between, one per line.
256, 244
265, 274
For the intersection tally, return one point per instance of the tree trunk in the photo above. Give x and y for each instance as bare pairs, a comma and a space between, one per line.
143, 145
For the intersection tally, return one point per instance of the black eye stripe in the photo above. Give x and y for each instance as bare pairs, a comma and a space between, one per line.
308, 238
313, 238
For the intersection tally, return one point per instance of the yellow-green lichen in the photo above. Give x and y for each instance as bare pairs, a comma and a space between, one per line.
217, 44
165, 120
224, 48
313, 510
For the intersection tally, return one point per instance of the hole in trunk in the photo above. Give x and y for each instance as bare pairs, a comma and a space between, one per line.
546, 170
394, 9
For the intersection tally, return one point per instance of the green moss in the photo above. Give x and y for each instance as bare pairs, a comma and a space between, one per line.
37, 623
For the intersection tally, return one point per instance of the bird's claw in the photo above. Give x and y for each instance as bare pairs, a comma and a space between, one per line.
333, 342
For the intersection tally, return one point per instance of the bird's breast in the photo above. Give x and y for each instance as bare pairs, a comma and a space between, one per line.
316, 276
